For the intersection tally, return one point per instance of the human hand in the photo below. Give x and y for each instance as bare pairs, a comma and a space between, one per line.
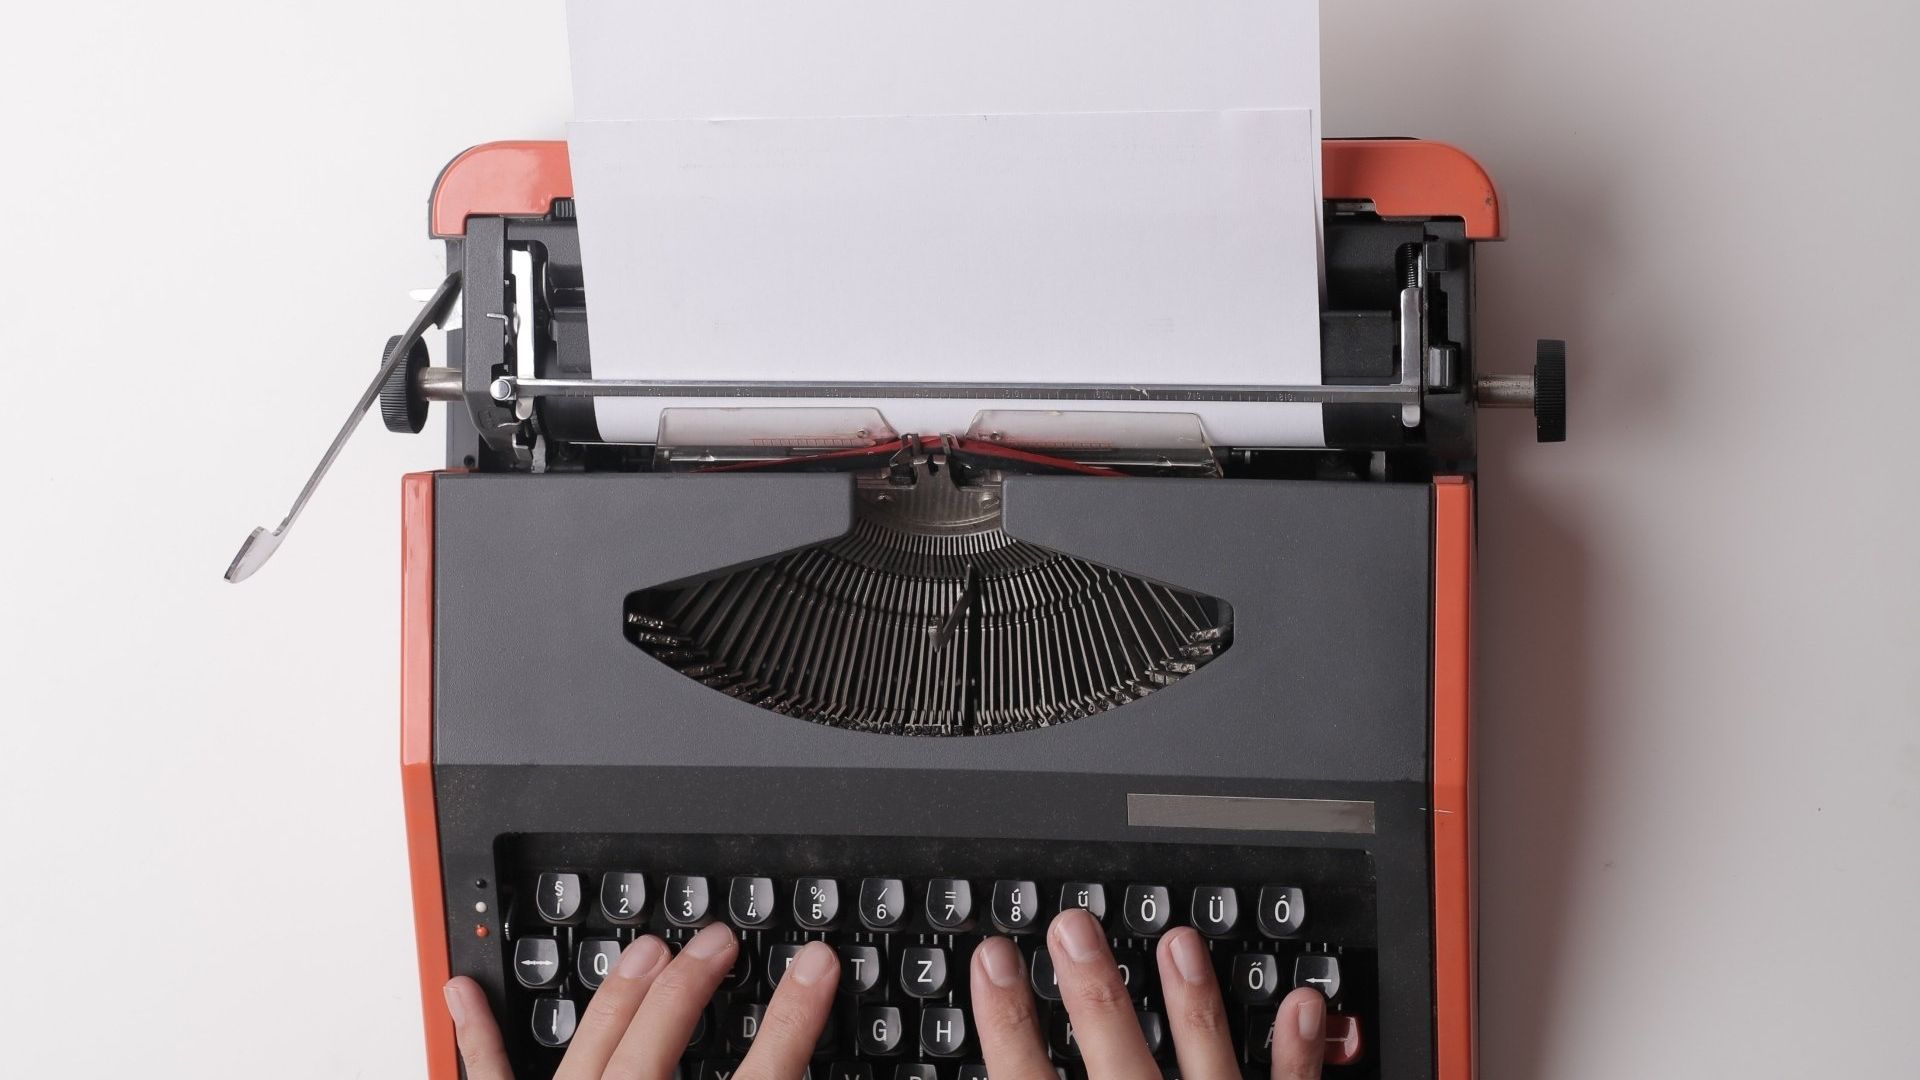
638, 1022
1104, 1023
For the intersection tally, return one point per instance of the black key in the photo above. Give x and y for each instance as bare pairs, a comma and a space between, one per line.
923, 971
558, 898
686, 901
750, 902
699, 1033
882, 902
594, 960
943, 1032
850, 1070
1260, 1035
779, 959
919, 1070
1282, 910
816, 903
1133, 971
740, 975
721, 1069
1153, 1027
829, 1039
1216, 910
971, 1071
1090, 895
623, 899
1145, 910
950, 904
1320, 971
1016, 906
1060, 1035
1046, 984
1254, 979
536, 962
553, 1021
879, 1033
859, 968
743, 1023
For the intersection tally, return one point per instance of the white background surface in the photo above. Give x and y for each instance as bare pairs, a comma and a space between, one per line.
1699, 702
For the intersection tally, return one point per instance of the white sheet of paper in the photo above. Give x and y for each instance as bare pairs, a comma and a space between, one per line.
1064, 191
680, 59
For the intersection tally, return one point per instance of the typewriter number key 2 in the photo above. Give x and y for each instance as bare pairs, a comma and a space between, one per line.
623, 898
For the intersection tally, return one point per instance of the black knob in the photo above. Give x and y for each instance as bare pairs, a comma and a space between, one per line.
403, 408
1550, 391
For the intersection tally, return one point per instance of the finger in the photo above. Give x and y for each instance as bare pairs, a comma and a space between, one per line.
474, 1030
1003, 1013
1200, 1037
612, 1010
1105, 1027
658, 1034
1299, 1036
795, 1017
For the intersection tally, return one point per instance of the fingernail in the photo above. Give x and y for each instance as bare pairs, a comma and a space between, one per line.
1190, 957
455, 1008
641, 957
710, 942
1312, 1017
814, 963
1078, 934
1002, 962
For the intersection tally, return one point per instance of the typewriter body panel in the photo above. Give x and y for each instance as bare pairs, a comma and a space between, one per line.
1316, 762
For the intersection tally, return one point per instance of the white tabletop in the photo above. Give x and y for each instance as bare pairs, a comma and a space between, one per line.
1699, 713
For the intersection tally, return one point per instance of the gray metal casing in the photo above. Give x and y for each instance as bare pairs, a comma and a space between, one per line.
546, 720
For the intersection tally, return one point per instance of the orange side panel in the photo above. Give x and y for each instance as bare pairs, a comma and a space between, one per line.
416, 767
1412, 178
1453, 947
1403, 178
509, 179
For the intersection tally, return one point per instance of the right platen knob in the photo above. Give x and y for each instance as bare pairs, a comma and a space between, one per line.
1550, 391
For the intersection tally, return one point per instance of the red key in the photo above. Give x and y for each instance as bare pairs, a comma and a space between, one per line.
1343, 1039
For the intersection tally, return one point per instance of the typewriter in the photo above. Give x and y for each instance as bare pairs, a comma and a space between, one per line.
900, 690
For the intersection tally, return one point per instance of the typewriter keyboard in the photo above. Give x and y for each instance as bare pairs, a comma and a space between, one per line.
905, 914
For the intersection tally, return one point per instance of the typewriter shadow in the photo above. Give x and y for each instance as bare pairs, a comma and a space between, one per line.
1542, 585
1534, 680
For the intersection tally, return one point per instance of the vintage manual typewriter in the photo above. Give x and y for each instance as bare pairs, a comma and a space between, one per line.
819, 678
